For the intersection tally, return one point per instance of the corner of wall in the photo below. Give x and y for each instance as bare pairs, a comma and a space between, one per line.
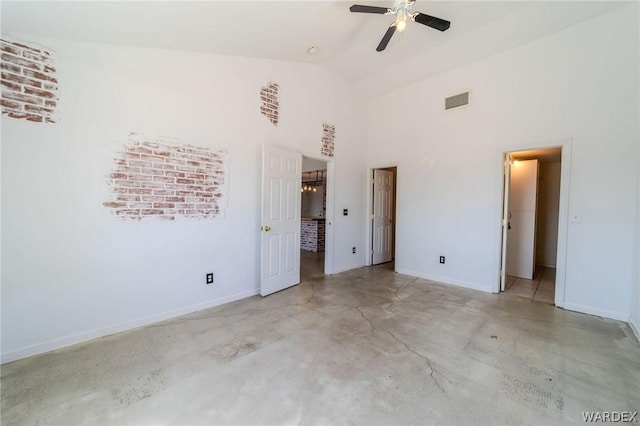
635, 327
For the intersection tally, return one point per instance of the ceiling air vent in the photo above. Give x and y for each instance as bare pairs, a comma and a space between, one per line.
456, 101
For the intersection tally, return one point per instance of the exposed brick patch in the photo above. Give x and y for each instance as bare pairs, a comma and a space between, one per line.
29, 82
328, 136
165, 179
269, 99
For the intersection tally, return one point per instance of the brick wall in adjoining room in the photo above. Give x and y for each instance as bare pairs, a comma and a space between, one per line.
309, 235
29, 82
165, 179
269, 98
320, 235
328, 137
312, 235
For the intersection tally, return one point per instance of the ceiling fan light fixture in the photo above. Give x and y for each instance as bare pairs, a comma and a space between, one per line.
401, 21
401, 26
402, 11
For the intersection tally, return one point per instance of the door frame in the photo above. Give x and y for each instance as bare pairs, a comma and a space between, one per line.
506, 188
368, 261
328, 229
563, 213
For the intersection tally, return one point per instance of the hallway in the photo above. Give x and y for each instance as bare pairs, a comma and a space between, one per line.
542, 288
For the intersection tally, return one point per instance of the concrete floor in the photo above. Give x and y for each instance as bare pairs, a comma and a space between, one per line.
542, 288
367, 347
311, 265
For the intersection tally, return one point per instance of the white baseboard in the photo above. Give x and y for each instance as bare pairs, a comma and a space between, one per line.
445, 280
348, 268
620, 316
116, 328
634, 327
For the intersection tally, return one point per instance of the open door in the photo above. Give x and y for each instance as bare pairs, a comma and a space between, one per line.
521, 229
505, 220
280, 241
382, 216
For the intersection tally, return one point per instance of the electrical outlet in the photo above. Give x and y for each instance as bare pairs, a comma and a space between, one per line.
353, 250
210, 278
442, 259
345, 212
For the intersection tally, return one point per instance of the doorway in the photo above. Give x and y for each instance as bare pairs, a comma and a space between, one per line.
383, 216
531, 223
313, 217
281, 213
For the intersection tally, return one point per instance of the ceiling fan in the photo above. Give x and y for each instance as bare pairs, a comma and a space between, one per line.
401, 10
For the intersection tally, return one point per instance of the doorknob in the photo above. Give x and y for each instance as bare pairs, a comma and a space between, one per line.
266, 228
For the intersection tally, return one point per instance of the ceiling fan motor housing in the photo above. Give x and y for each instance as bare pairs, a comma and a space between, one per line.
402, 5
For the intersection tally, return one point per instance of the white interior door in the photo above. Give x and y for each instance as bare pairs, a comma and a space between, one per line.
280, 241
521, 231
382, 216
505, 219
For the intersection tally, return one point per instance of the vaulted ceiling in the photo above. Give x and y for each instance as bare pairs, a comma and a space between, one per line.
284, 30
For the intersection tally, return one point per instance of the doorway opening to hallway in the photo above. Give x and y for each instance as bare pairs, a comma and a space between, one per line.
281, 205
530, 225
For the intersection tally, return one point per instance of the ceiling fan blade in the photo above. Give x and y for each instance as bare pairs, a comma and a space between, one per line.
431, 21
368, 9
386, 38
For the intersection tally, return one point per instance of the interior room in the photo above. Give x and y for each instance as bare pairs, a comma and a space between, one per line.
313, 208
157, 240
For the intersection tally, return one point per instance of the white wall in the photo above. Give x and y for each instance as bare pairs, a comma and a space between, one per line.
71, 271
581, 83
548, 209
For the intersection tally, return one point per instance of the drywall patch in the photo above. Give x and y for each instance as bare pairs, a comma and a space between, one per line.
269, 99
29, 82
328, 137
163, 178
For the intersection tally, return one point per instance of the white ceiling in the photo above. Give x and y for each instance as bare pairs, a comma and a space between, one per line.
285, 29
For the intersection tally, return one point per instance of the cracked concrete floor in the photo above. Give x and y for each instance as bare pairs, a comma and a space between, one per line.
367, 347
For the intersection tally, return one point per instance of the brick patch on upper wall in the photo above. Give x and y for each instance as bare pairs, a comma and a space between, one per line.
29, 83
165, 179
328, 136
269, 99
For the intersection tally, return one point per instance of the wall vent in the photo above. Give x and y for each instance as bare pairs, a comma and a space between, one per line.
456, 101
